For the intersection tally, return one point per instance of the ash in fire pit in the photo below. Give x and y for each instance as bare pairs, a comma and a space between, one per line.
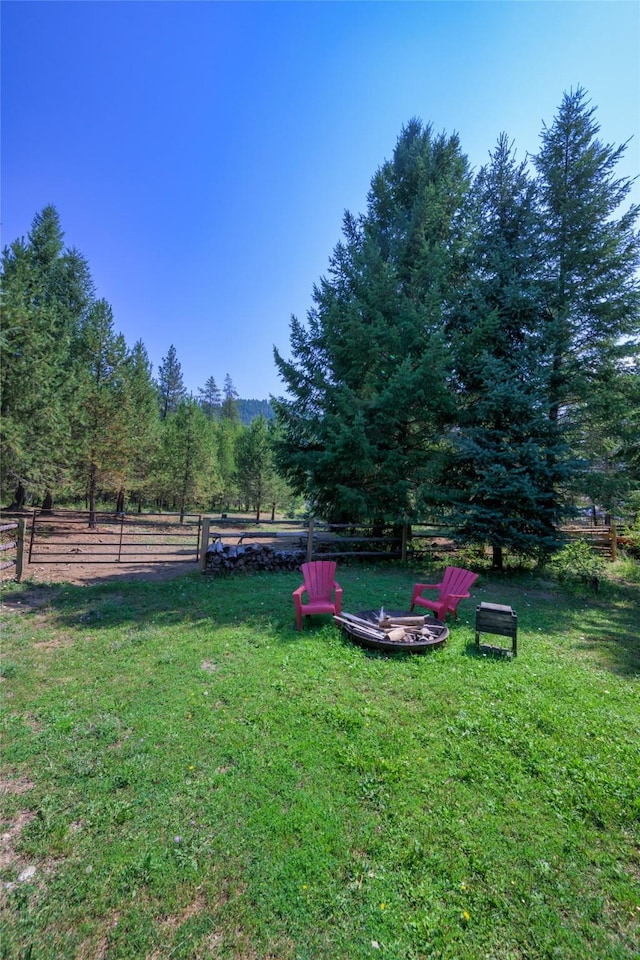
394, 630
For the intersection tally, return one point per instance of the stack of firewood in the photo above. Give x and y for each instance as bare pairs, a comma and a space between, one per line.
407, 629
227, 558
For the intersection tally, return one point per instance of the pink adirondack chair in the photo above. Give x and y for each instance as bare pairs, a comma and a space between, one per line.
324, 594
455, 587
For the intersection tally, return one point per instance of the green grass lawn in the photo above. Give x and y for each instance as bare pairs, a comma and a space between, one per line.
186, 776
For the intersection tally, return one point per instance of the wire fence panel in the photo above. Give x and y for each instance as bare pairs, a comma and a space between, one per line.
77, 537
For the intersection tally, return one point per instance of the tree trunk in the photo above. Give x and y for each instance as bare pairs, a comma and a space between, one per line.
496, 563
19, 498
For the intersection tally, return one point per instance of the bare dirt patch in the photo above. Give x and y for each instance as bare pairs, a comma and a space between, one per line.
15, 785
35, 599
85, 574
90, 950
59, 642
173, 921
157, 551
10, 835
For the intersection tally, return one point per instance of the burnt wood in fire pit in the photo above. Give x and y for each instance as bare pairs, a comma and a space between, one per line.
363, 628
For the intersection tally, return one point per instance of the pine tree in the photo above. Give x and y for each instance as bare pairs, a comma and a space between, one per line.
629, 426
500, 477
187, 459
171, 389
368, 374
210, 399
46, 292
143, 419
257, 477
591, 317
226, 435
229, 410
101, 431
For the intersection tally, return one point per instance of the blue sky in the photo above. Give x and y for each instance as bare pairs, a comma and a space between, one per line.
201, 154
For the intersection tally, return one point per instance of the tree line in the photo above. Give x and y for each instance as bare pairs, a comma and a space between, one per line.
472, 353
83, 416
472, 356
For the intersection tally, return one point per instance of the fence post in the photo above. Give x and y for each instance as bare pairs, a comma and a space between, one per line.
120, 541
20, 548
204, 543
404, 542
33, 531
613, 534
310, 541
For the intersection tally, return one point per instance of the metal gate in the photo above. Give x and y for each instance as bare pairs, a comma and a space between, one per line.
68, 537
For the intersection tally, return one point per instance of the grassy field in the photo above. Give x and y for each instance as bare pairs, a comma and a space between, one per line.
186, 776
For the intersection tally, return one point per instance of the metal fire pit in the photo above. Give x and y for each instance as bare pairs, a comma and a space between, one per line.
439, 633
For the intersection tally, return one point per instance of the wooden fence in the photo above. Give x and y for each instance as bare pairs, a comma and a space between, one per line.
332, 541
64, 538
16, 544
316, 539
604, 539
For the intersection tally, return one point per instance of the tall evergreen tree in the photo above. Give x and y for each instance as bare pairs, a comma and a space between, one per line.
188, 460
500, 476
368, 375
229, 410
591, 317
46, 292
257, 476
171, 389
227, 433
143, 418
102, 428
210, 399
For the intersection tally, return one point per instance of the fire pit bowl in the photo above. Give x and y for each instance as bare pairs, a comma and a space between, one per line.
363, 628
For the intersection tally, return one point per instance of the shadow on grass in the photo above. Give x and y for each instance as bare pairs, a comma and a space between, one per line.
616, 643
497, 653
605, 626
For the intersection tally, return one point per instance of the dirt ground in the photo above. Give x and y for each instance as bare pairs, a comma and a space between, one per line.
87, 573
78, 541
90, 550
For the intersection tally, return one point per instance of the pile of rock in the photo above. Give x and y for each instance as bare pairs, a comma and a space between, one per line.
225, 558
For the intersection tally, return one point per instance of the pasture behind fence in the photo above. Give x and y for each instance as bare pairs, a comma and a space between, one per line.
71, 537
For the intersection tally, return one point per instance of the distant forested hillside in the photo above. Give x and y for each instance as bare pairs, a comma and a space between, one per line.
250, 409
